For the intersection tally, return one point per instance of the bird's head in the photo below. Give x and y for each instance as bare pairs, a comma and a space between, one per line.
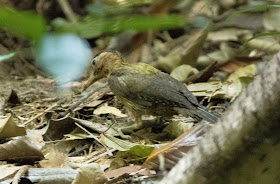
103, 65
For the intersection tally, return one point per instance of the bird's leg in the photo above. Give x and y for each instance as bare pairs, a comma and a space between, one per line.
120, 131
138, 121
137, 124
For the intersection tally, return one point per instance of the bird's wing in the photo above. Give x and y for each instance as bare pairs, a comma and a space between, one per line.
151, 90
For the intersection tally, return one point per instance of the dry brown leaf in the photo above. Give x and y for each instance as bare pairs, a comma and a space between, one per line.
214, 89
105, 109
128, 169
250, 20
8, 128
185, 53
203, 75
53, 158
227, 34
20, 151
177, 128
8, 171
182, 72
178, 148
90, 174
13, 99
271, 19
94, 103
235, 63
58, 128
98, 127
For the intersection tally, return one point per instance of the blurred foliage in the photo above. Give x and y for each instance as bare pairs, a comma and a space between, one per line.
262, 35
116, 7
254, 8
27, 24
7, 56
93, 25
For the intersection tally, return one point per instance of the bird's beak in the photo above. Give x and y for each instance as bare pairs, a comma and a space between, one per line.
92, 79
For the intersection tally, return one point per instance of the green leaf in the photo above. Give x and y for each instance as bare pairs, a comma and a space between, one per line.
132, 148
28, 24
141, 150
7, 56
262, 35
118, 144
259, 7
92, 25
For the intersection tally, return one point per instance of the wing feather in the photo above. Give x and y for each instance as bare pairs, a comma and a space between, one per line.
151, 90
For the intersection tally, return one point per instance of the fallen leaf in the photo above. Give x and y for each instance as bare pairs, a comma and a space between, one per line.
250, 21
132, 148
20, 151
271, 19
127, 170
241, 77
90, 174
246, 71
53, 158
203, 75
185, 53
8, 171
235, 63
58, 128
116, 143
177, 149
182, 72
214, 89
13, 99
8, 128
141, 150
105, 109
227, 34
177, 128
98, 127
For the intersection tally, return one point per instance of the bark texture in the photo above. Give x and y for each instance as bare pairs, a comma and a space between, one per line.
243, 145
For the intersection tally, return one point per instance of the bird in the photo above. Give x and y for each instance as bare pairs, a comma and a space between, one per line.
145, 90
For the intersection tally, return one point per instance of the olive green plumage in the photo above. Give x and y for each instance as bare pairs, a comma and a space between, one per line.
144, 90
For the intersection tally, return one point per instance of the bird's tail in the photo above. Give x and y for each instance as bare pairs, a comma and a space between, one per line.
206, 114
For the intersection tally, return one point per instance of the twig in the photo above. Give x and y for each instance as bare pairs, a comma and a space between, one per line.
67, 10
108, 152
87, 95
40, 114
21, 172
93, 136
2, 106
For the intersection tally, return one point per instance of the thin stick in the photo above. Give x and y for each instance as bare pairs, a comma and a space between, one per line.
87, 95
21, 172
108, 152
66, 8
93, 136
40, 114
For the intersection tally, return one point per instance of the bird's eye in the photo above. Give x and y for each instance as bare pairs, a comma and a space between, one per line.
94, 61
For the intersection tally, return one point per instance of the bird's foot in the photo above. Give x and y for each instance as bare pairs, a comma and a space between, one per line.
122, 135
129, 129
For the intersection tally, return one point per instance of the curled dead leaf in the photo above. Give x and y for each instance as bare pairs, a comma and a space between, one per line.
8, 128
21, 151
176, 149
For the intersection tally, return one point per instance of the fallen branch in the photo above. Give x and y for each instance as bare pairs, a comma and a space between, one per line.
248, 131
86, 96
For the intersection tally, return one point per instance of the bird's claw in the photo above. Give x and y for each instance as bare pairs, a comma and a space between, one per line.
120, 131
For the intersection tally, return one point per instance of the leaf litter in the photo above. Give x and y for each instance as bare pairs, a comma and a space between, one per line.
83, 143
